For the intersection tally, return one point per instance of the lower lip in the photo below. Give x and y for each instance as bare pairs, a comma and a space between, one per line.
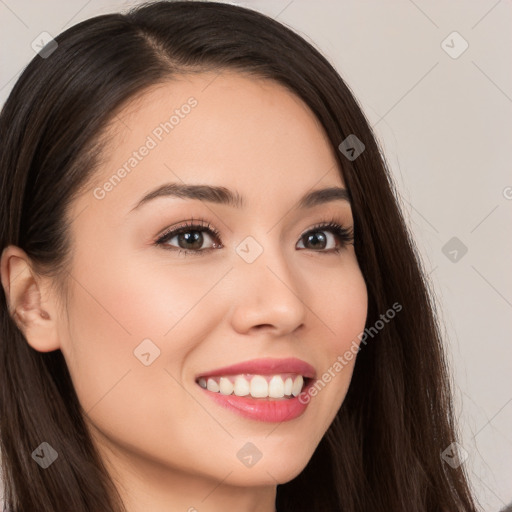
271, 410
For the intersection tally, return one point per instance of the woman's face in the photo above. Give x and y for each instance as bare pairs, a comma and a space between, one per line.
144, 320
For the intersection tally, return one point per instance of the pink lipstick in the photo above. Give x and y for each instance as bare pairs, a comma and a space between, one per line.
266, 389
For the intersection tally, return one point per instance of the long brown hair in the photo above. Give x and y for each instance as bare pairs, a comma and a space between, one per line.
383, 450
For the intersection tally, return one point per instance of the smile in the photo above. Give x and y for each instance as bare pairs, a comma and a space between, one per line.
282, 385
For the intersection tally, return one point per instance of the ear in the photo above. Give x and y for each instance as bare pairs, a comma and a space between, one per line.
26, 293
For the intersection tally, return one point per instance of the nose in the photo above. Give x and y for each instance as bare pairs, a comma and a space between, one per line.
268, 295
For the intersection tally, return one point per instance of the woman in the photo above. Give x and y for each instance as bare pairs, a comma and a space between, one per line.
210, 300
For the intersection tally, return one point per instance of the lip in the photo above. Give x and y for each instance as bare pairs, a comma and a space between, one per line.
271, 410
264, 366
264, 409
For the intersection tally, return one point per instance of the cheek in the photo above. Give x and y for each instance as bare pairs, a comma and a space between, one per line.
112, 311
342, 308
124, 308
342, 313
132, 299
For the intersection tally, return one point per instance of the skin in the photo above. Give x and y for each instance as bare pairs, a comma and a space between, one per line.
167, 444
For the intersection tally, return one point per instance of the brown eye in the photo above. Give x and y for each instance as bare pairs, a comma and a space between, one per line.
318, 239
190, 239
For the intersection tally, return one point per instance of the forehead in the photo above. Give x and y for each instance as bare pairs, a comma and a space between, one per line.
251, 134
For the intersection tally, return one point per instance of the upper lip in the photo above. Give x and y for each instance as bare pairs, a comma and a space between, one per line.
265, 366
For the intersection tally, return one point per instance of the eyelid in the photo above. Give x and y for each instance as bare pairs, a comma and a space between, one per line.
190, 225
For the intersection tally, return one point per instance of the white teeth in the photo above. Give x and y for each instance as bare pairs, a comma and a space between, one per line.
276, 387
297, 385
212, 386
226, 386
288, 386
242, 387
259, 386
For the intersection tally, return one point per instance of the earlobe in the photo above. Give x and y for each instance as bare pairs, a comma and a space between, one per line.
25, 292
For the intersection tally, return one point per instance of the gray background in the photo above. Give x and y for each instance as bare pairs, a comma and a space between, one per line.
444, 124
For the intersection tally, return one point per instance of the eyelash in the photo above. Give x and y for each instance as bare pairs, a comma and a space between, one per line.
345, 234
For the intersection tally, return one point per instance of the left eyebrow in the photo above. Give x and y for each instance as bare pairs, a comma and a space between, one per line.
223, 195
